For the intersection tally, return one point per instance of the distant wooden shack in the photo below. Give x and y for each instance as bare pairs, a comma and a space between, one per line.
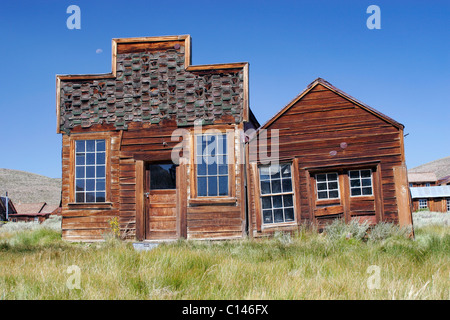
32, 212
435, 198
165, 147
339, 158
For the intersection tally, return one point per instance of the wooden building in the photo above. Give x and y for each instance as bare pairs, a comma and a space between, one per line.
435, 198
338, 158
33, 212
121, 130
6, 208
422, 179
163, 146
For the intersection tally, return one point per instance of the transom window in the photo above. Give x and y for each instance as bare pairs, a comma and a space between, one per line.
360, 182
212, 165
423, 204
327, 185
276, 193
90, 166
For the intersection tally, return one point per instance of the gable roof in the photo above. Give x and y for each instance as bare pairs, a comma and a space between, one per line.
23, 208
339, 92
422, 177
11, 207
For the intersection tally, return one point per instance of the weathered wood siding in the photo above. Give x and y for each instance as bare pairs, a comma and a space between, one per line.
325, 132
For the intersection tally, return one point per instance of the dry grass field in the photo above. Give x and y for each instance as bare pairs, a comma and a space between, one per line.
344, 263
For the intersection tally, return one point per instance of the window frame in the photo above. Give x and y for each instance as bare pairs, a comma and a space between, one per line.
338, 198
361, 186
72, 176
292, 193
420, 206
231, 158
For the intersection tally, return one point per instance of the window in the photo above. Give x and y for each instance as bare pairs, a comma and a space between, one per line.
327, 185
162, 176
90, 166
212, 165
448, 205
277, 201
427, 184
360, 182
423, 204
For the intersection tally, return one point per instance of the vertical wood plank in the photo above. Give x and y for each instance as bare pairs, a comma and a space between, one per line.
402, 195
296, 182
258, 213
345, 196
140, 210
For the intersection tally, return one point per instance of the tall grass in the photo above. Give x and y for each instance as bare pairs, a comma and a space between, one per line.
307, 265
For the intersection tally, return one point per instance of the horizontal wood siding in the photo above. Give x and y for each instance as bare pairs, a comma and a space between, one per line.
323, 129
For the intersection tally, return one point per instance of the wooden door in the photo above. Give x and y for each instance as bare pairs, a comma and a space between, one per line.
160, 202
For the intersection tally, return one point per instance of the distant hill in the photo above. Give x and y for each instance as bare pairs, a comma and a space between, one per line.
440, 167
26, 187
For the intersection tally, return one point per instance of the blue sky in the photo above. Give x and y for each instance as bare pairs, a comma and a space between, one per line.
402, 69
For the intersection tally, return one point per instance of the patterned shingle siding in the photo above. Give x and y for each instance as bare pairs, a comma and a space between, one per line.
151, 87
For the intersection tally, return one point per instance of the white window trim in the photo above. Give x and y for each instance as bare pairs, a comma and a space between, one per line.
338, 187
421, 204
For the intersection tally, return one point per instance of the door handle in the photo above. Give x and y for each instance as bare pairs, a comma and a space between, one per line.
146, 194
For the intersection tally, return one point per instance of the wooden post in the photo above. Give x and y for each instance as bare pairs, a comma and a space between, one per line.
140, 209
402, 195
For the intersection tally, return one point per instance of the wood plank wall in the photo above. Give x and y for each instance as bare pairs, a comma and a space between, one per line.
316, 126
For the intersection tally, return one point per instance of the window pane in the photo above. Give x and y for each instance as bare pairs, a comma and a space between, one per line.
322, 194
90, 145
79, 172
266, 202
365, 173
79, 146
278, 215
267, 216
322, 186
101, 158
264, 173
286, 170
355, 183
101, 145
333, 194
90, 158
275, 172
289, 214
162, 176
354, 174
332, 176
321, 177
79, 196
332, 185
90, 196
223, 169
367, 191
201, 168
277, 201
100, 171
356, 192
80, 160
223, 185
99, 197
79, 185
212, 169
100, 185
201, 186
90, 184
287, 200
212, 186
265, 187
90, 171
287, 185
366, 182
276, 186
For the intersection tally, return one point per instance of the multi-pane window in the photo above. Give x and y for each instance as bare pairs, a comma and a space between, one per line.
90, 167
212, 165
360, 182
448, 205
423, 204
327, 185
277, 201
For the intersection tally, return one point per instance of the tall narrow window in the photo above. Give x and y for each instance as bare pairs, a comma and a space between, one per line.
277, 201
212, 165
360, 182
327, 186
90, 166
